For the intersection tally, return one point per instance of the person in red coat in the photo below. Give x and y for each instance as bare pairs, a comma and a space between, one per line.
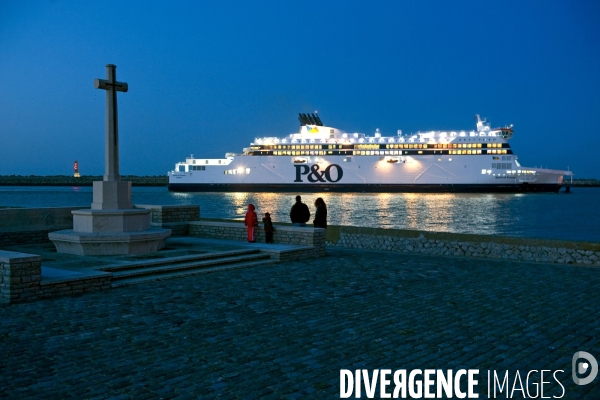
251, 222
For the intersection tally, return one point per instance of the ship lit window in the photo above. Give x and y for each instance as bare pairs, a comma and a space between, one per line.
420, 151
483, 171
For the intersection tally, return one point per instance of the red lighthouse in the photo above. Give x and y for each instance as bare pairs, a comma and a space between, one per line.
76, 169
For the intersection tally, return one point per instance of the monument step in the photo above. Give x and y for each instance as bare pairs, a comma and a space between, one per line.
153, 270
166, 274
173, 260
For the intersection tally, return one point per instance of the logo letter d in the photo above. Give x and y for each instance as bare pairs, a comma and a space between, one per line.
593, 363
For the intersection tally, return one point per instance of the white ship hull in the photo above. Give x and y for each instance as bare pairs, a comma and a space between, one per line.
389, 168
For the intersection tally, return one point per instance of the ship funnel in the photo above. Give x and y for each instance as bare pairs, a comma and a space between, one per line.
309, 119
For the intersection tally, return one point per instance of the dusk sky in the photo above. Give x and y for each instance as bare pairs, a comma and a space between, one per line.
206, 78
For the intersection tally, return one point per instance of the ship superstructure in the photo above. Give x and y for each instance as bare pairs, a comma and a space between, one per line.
320, 158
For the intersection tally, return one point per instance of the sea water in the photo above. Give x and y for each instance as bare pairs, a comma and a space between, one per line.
573, 216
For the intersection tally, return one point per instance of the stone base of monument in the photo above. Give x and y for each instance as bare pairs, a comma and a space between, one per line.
96, 221
112, 195
99, 244
110, 232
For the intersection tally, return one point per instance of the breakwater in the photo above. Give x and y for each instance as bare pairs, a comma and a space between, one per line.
84, 180
155, 180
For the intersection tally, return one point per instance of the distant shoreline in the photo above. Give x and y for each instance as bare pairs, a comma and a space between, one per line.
156, 180
85, 180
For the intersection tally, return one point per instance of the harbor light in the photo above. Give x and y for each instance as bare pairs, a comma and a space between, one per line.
76, 170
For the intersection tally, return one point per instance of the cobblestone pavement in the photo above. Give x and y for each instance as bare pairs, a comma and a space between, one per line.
285, 331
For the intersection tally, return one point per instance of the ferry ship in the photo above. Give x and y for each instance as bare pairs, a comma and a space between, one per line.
325, 159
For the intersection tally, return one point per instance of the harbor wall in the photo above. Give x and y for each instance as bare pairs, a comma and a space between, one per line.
464, 245
314, 238
175, 218
32, 225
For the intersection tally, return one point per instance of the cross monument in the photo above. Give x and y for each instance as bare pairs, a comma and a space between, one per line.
111, 86
112, 225
111, 193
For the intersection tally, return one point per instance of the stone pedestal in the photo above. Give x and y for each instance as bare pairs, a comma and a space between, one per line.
110, 232
98, 221
112, 195
111, 227
109, 243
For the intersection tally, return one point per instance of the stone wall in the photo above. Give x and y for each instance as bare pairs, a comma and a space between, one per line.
21, 280
465, 245
173, 217
20, 276
313, 237
32, 225
72, 286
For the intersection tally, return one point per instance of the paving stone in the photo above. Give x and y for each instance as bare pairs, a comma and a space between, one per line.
285, 331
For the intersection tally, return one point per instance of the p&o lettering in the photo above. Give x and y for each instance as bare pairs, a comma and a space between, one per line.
314, 175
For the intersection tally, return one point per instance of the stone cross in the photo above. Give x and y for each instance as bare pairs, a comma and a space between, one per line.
112, 128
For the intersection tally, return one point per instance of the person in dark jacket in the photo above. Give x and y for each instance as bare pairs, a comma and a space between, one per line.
299, 213
321, 214
268, 226
251, 222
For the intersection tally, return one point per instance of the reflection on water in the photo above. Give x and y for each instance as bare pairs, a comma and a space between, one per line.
558, 216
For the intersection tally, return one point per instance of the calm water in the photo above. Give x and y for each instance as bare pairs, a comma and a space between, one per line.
574, 216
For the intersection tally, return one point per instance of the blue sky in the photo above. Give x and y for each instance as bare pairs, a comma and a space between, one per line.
208, 77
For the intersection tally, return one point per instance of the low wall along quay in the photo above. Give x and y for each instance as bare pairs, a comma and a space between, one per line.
465, 245
21, 280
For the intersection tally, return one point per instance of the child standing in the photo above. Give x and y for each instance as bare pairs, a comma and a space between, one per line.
268, 224
251, 222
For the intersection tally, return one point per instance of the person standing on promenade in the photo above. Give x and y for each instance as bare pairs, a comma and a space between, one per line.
299, 213
321, 214
251, 222
268, 226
